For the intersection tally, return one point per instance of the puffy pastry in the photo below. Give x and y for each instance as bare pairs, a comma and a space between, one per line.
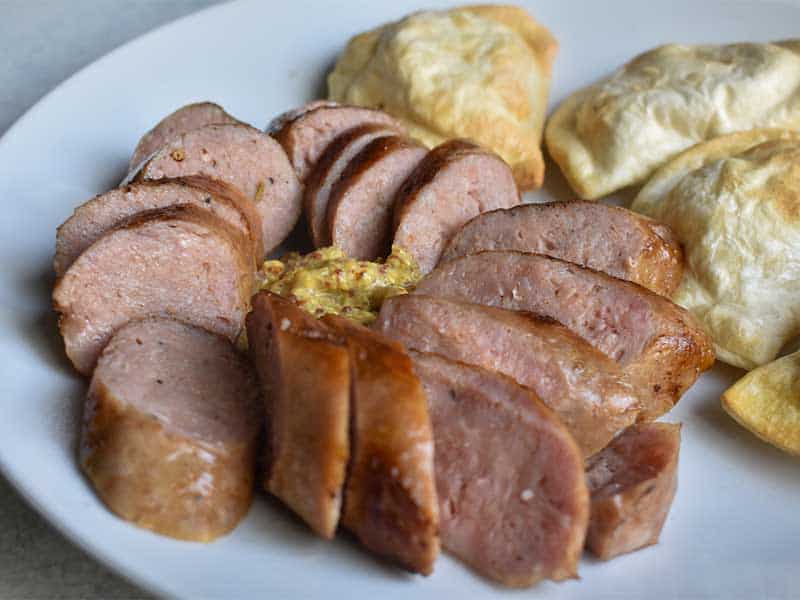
734, 204
616, 132
767, 402
480, 72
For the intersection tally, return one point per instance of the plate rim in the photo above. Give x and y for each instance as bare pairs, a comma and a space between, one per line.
84, 543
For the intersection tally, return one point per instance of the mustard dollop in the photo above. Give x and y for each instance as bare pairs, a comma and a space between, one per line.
327, 281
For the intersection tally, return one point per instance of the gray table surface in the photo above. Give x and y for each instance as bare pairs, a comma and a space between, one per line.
42, 43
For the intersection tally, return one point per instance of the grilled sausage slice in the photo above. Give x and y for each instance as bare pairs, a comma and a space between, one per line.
390, 495
587, 390
304, 370
660, 345
105, 211
632, 483
306, 132
181, 261
513, 501
243, 157
186, 118
170, 430
286, 117
326, 173
360, 208
456, 181
605, 238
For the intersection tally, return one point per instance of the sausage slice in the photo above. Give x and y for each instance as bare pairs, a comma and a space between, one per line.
191, 116
326, 173
286, 117
304, 369
632, 483
181, 262
513, 502
390, 495
456, 181
170, 430
587, 390
243, 157
360, 207
659, 344
605, 238
105, 211
306, 133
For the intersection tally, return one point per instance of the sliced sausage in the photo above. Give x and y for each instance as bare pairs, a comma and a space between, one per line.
632, 483
279, 122
456, 181
326, 173
180, 261
660, 345
170, 430
191, 116
390, 495
305, 134
605, 238
304, 370
584, 387
360, 208
513, 502
243, 157
105, 211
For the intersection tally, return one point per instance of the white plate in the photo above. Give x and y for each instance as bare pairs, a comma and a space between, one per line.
734, 528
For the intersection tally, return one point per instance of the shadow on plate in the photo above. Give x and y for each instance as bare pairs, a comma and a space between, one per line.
321, 88
556, 189
274, 521
39, 328
733, 439
116, 177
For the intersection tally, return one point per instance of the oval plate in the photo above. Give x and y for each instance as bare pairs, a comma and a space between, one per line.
734, 527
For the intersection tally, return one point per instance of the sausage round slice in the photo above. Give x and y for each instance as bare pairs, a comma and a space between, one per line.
105, 211
390, 500
360, 207
304, 369
279, 122
243, 157
181, 262
306, 133
632, 483
513, 502
605, 238
170, 430
456, 181
191, 116
660, 345
326, 173
587, 390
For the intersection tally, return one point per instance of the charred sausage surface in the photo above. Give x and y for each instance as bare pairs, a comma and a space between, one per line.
304, 371
588, 390
660, 345
605, 238
105, 211
455, 182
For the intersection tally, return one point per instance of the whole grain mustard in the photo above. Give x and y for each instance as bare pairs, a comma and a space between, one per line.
327, 281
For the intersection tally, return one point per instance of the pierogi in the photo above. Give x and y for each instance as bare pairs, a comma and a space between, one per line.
477, 72
618, 131
734, 204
